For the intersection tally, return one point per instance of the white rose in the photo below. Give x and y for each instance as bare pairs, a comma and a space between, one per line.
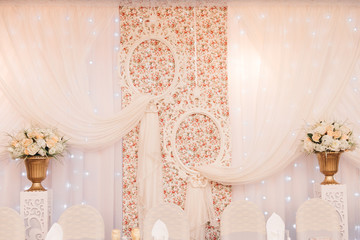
309, 146
33, 149
52, 151
321, 130
335, 146
41, 142
327, 140
26, 142
344, 145
42, 152
20, 136
50, 143
345, 130
319, 148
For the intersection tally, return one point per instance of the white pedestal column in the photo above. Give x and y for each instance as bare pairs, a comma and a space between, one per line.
36, 209
336, 195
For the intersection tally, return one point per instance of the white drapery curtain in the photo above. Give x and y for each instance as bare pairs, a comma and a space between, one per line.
58, 69
55, 53
288, 64
65, 76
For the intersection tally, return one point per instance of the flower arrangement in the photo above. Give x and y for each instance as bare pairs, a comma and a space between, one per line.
37, 142
326, 136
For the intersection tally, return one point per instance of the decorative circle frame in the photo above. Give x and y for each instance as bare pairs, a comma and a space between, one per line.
130, 54
176, 127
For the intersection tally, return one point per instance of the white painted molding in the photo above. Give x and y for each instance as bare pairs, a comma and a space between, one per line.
176, 128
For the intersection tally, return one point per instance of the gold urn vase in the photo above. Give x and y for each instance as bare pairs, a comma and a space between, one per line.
36, 168
329, 164
135, 233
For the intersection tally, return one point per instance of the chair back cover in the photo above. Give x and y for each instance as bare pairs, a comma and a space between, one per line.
82, 222
159, 231
317, 219
242, 220
172, 216
11, 225
275, 228
55, 232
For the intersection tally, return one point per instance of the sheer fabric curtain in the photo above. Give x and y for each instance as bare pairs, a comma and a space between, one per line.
57, 68
290, 63
56, 54
287, 65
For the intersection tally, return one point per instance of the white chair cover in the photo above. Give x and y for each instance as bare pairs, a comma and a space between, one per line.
11, 225
175, 219
55, 232
82, 222
275, 228
317, 219
242, 220
159, 231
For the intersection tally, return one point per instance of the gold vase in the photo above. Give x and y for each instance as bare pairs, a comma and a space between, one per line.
115, 234
135, 233
329, 164
36, 168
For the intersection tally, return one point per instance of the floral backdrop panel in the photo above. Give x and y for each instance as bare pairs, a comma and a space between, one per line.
178, 54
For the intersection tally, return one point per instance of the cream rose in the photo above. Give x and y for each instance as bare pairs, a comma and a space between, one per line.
42, 152
33, 149
337, 134
344, 137
14, 143
52, 151
316, 137
345, 130
31, 133
26, 142
320, 129
50, 143
41, 142
20, 136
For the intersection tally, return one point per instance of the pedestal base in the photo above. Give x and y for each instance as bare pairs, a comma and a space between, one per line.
336, 195
36, 210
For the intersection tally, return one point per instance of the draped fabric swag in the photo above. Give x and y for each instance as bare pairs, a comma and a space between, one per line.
199, 206
57, 94
288, 64
149, 172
